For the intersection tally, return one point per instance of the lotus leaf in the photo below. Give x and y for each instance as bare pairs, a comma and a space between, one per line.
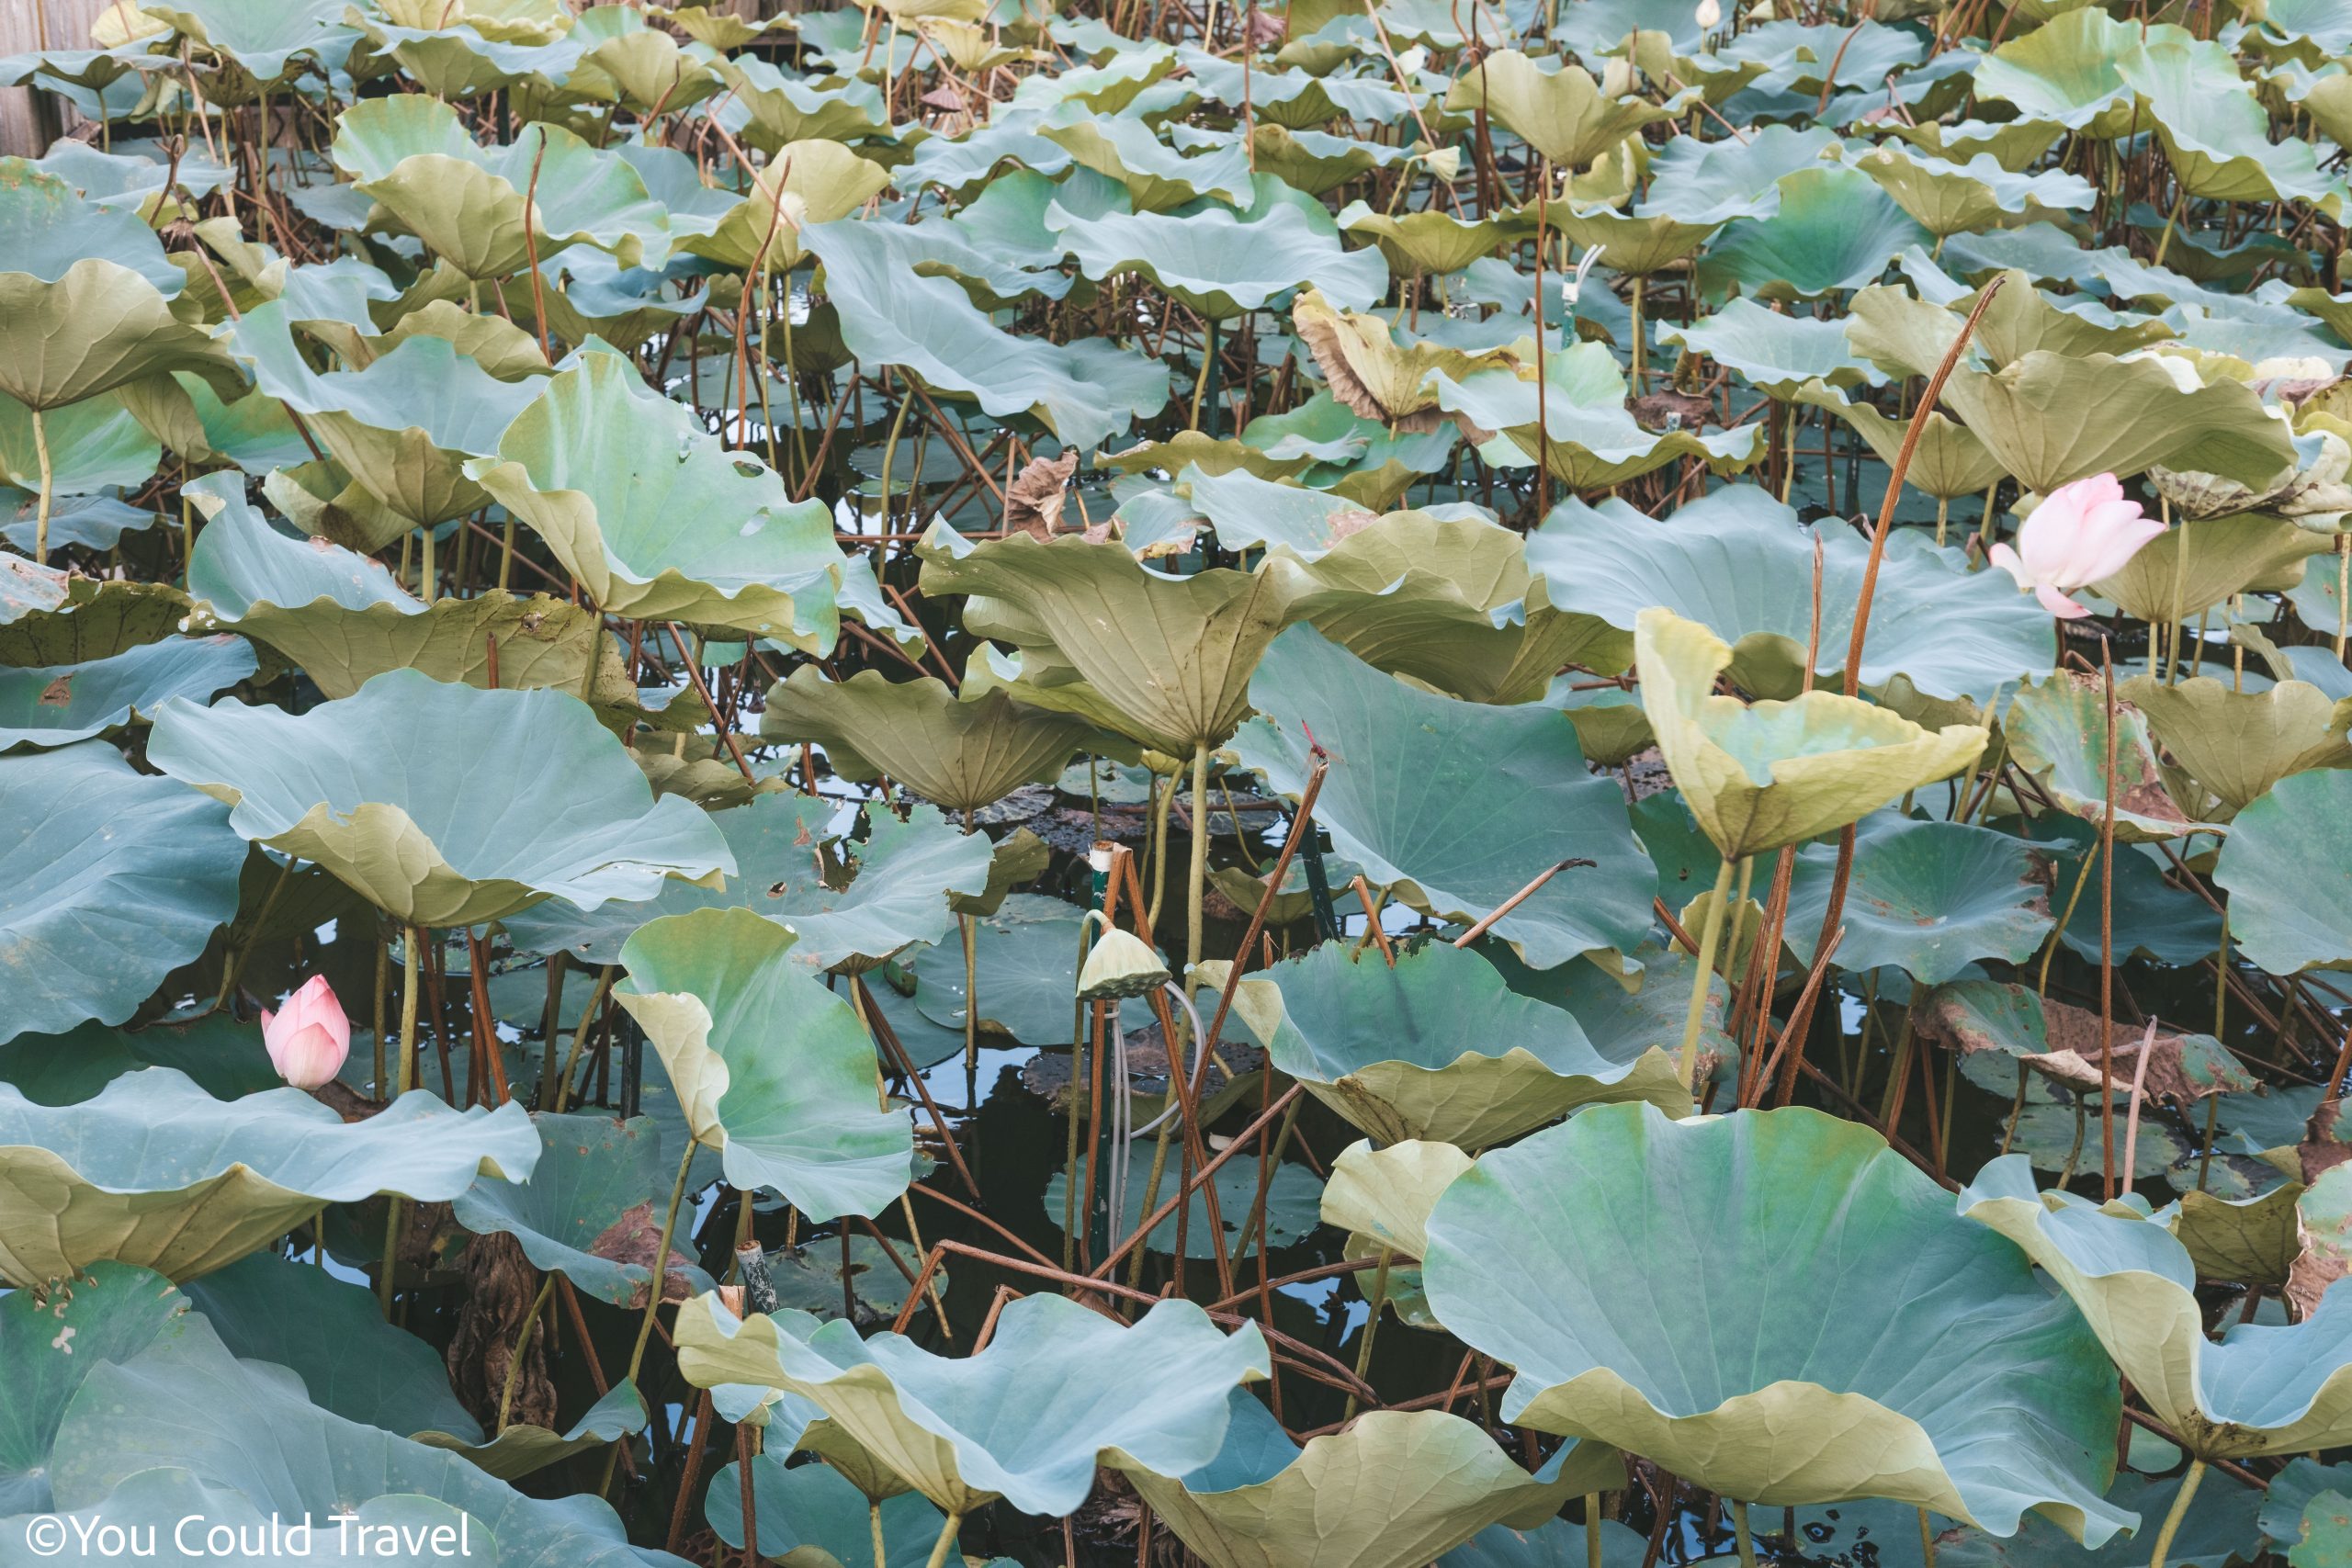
1955, 1383
2185, 572
1369, 371
1450, 803
2056, 731
2068, 70
1775, 353
1949, 461
1580, 429
656, 518
112, 879
2288, 883
1835, 230
57, 704
155, 1172
712, 989
1157, 176
1563, 114
1058, 1389
1437, 1047
1929, 898
1949, 198
2237, 745
808, 1508
1292, 1196
1764, 774
53, 1340
1028, 959
1222, 263
93, 444
430, 837
964, 754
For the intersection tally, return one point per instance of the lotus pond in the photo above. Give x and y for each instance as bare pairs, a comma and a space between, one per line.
1375, 786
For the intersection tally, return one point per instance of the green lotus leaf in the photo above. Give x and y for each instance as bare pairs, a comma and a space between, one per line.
2255, 1239
1382, 1197
464, 59
2260, 1390
2216, 132
56, 705
784, 110
1764, 774
1736, 561
1955, 1382
2057, 731
587, 1211
429, 836
1455, 805
186, 1410
92, 445
806, 1510
2050, 419
798, 1114
1635, 244
629, 60
1713, 182
1610, 726
1084, 391
1315, 163
1437, 1047
1028, 961
1426, 241
53, 1340
1451, 603
1165, 660
154, 1171
182, 410
112, 879
1949, 462
342, 617
1773, 353
899, 879
2015, 144
965, 754
1058, 1389
2150, 916
2068, 70
260, 38
49, 617
412, 154
1563, 114
223, 1055
1220, 262
2197, 566
1369, 373
807, 183
1580, 427
1292, 1198
1946, 197
1556, 1543
1835, 230
2290, 891
1157, 176
1929, 898
1420, 1483
657, 519
2235, 745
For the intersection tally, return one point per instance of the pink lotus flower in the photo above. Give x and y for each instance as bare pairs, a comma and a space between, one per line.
2080, 534
308, 1038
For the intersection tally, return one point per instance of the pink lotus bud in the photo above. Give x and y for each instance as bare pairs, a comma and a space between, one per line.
308, 1038
2080, 534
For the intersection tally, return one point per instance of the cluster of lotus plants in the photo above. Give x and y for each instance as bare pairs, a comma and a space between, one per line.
1376, 785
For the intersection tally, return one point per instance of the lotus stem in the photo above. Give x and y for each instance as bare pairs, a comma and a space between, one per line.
661, 1264
1379, 1298
1926, 1540
2083, 880
946, 1541
411, 966
1592, 1529
1688, 1062
873, 1522
1635, 304
48, 489
427, 573
2180, 610
2343, 591
521, 1342
1164, 793
580, 1037
1746, 1538
1200, 856
2195, 1473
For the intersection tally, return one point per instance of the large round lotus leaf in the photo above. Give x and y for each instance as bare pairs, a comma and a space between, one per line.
1165, 660
1455, 805
2051, 418
657, 518
1058, 1389
223, 1055
812, 182
156, 1172
110, 880
84, 296
1931, 898
1219, 263
2237, 745
1392, 1490
2224, 556
773, 1070
1948, 462
92, 445
261, 39
783, 108
1292, 1198
254, 432
340, 616
900, 879
1764, 774
1835, 230
1951, 1379
2262, 1390
2288, 876
1556, 1543
2065, 71
187, 1408
2217, 1530
475, 804
1437, 1047
1451, 603
1737, 561
1636, 245
1027, 953
1084, 391
61, 703
1773, 353
1949, 198
2216, 132
1563, 114
803, 1510
1371, 373
2057, 731
52, 1339
412, 154
402, 428
964, 755
587, 1211
1580, 427
1157, 176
